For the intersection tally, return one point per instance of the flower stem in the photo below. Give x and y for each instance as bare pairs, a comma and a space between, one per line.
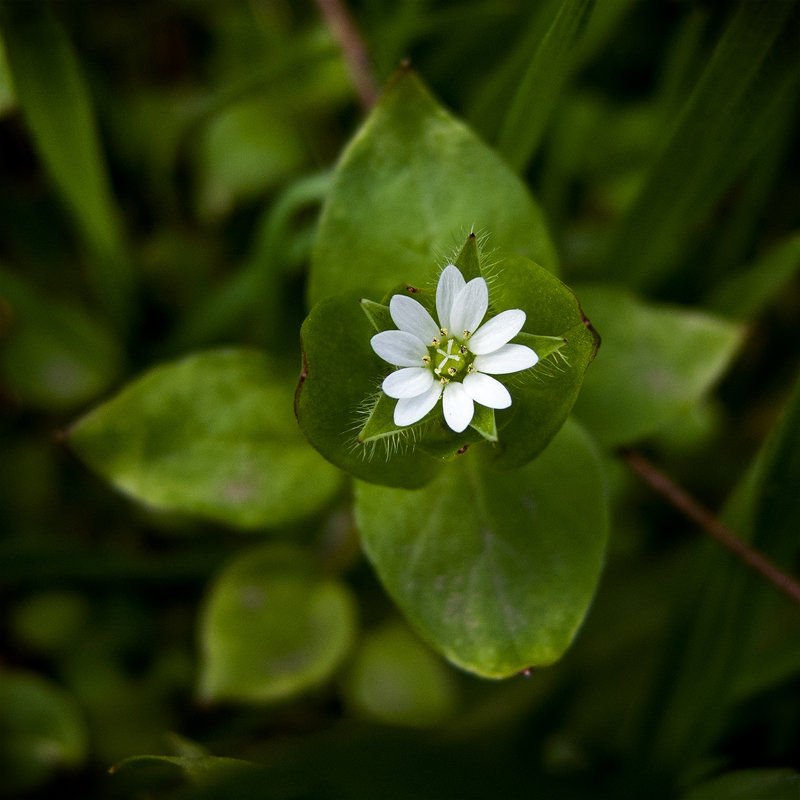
686, 504
354, 50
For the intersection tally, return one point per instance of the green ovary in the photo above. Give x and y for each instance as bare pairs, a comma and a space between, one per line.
451, 360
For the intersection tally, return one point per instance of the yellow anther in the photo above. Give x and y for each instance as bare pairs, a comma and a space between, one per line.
462, 349
471, 368
435, 342
466, 335
426, 359
443, 331
452, 370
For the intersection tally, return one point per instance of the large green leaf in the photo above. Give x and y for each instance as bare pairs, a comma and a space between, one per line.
656, 362
55, 102
495, 569
272, 628
411, 183
213, 435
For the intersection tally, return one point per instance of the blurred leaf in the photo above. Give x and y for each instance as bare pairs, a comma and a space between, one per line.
495, 569
748, 292
57, 108
655, 362
54, 356
754, 784
748, 85
213, 435
41, 732
411, 179
244, 150
151, 773
272, 628
537, 92
394, 678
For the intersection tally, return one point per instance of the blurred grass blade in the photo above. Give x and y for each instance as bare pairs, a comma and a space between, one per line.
55, 103
747, 293
548, 71
748, 87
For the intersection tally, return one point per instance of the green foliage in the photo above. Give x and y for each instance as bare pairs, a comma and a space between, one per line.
226, 624
212, 435
272, 627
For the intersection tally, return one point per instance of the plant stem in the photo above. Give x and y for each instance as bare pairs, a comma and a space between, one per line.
353, 48
685, 503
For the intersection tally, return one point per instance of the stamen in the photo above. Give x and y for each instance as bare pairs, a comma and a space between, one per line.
452, 370
462, 349
467, 334
444, 331
435, 342
471, 368
426, 359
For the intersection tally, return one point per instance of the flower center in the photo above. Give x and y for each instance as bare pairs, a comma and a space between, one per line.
450, 359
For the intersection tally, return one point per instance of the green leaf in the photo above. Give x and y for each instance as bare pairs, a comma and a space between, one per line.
557, 329
272, 628
340, 374
41, 731
55, 356
550, 66
396, 679
751, 784
412, 180
748, 86
55, 102
495, 569
655, 363
212, 435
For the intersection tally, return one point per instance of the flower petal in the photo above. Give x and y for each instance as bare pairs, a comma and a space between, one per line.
400, 348
497, 331
412, 409
451, 282
408, 382
508, 358
458, 407
487, 391
469, 307
411, 316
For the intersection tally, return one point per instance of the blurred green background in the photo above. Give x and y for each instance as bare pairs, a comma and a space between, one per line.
162, 166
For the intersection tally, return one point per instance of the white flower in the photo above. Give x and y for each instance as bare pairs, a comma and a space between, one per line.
453, 360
